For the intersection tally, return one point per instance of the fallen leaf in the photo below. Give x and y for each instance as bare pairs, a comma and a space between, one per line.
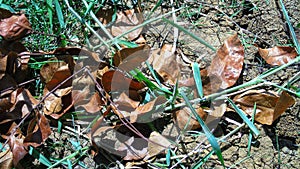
124, 103
228, 63
17, 148
38, 131
6, 159
129, 58
157, 144
186, 120
147, 112
55, 72
14, 26
125, 21
269, 105
135, 150
115, 80
165, 64
18, 105
278, 55
95, 104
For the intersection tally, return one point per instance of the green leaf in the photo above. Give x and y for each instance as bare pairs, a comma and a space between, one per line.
211, 138
59, 14
244, 117
197, 78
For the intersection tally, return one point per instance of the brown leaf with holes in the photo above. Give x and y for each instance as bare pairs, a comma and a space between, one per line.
38, 131
6, 159
269, 105
13, 27
278, 55
114, 80
228, 63
127, 20
16, 146
186, 120
129, 58
165, 64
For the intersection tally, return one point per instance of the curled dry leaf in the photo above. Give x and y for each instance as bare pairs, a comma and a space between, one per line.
115, 81
13, 26
17, 148
38, 131
127, 20
57, 101
278, 55
95, 104
165, 64
148, 112
6, 159
186, 120
228, 63
18, 104
55, 72
105, 15
129, 58
269, 105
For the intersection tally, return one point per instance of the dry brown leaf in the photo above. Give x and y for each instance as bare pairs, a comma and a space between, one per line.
278, 55
165, 64
157, 144
115, 80
55, 72
124, 103
95, 104
228, 63
6, 159
129, 58
18, 105
127, 20
54, 104
135, 150
17, 148
269, 105
14, 27
38, 131
14, 46
75, 51
186, 120
147, 112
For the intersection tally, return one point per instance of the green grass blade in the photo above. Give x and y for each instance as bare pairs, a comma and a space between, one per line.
39, 156
152, 71
197, 77
50, 14
251, 133
168, 157
7, 7
154, 8
189, 33
287, 18
59, 14
244, 117
211, 138
203, 160
69, 164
